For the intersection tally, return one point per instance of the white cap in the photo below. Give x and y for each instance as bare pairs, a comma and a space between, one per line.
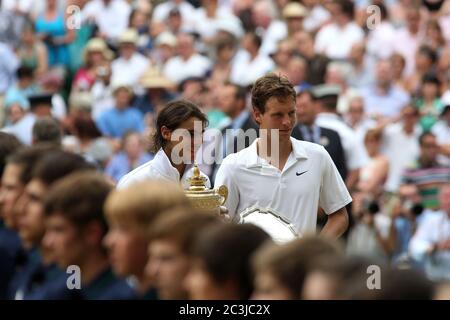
166, 38
232, 26
129, 36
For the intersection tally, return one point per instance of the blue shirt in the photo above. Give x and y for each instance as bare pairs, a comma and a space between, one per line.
389, 104
10, 252
106, 286
8, 66
56, 28
120, 165
23, 273
39, 279
115, 123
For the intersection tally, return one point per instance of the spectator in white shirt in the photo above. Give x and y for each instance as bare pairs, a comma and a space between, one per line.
267, 26
187, 11
357, 119
335, 40
381, 38
40, 106
384, 98
442, 132
20, 6
408, 39
111, 17
317, 16
165, 45
101, 91
400, 145
188, 63
431, 242
250, 64
174, 22
131, 65
208, 18
338, 74
326, 97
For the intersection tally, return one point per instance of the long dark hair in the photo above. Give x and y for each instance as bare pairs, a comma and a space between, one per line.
172, 115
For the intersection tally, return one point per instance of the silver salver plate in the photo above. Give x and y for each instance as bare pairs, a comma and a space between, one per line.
278, 227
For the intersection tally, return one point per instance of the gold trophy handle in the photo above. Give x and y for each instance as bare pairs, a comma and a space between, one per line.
223, 192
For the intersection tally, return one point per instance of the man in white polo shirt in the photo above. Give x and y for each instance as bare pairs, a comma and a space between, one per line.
291, 177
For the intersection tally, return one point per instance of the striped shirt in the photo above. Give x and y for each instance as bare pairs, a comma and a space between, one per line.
428, 180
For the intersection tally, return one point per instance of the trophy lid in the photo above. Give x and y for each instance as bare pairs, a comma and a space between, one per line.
197, 182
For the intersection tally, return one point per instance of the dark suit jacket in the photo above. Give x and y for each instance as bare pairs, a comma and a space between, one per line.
332, 143
249, 124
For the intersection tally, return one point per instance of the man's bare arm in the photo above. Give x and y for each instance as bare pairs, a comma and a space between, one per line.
336, 225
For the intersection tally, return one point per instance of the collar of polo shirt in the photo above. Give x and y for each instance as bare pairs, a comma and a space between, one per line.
163, 165
253, 160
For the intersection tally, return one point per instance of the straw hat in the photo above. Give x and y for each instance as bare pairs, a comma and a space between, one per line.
81, 100
129, 36
98, 45
153, 79
166, 38
294, 10
117, 85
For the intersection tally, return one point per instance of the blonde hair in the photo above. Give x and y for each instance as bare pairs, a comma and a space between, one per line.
140, 204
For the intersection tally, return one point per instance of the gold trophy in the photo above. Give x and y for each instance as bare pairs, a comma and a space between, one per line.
201, 197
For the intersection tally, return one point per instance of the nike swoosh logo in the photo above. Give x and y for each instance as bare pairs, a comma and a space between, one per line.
299, 174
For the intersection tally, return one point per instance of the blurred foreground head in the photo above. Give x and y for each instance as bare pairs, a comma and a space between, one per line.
280, 271
221, 269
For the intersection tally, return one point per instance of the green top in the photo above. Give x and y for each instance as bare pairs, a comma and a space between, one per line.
29, 60
431, 116
216, 118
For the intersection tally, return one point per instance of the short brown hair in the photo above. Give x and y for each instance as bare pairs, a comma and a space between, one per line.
27, 157
373, 134
8, 145
182, 226
268, 86
226, 249
141, 203
79, 197
57, 164
289, 263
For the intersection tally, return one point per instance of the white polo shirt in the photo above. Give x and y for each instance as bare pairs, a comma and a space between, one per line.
353, 149
159, 167
308, 179
129, 71
177, 69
